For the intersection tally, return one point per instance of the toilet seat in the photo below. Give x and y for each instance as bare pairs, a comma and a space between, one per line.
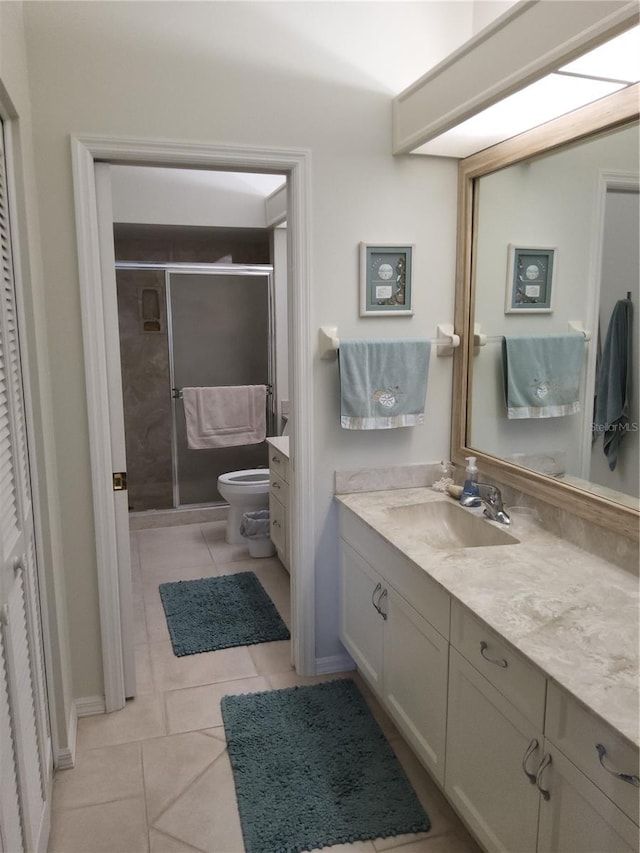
249, 475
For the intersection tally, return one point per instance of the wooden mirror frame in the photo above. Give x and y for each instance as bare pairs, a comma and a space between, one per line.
616, 110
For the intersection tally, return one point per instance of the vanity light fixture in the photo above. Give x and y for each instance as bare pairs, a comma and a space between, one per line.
600, 72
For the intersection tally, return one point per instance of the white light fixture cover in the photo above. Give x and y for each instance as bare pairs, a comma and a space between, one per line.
608, 68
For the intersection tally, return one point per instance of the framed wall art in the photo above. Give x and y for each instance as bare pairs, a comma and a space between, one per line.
530, 274
385, 279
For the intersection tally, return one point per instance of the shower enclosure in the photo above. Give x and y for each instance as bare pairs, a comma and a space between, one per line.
189, 325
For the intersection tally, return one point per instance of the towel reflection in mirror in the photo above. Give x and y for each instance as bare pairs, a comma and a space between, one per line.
613, 382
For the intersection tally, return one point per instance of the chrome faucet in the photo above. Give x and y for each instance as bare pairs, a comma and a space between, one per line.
491, 500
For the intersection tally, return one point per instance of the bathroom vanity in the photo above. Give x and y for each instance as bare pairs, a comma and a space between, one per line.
509, 662
279, 497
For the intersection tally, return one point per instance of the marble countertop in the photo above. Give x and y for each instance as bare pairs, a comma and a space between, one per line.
281, 443
573, 615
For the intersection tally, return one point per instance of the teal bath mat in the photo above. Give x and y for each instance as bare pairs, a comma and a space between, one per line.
217, 613
312, 769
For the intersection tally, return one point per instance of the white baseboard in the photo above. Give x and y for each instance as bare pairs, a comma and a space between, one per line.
86, 706
65, 757
334, 663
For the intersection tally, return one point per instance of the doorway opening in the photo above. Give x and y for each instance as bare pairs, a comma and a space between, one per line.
98, 319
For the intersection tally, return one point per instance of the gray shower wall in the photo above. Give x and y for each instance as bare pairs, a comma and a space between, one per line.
191, 245
144, 358
145, 355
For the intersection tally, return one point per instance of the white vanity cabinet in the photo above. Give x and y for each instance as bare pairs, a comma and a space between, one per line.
591, 777
361, 623
514, 787
279, 499
528, 767
577, 817
398, 651
494, 737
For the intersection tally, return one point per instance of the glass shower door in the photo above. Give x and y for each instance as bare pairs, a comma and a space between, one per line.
220, 335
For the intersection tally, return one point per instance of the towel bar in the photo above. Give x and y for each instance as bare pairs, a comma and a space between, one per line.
480, 339
176, 393
329, 343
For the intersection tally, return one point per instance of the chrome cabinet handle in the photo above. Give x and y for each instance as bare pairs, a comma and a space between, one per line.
276, 523
530, 750
378, 587
275, 485
276, 459
631, 778
546, 761
497, 661
383, 594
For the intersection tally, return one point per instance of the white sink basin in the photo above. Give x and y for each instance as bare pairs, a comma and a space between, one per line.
445, 526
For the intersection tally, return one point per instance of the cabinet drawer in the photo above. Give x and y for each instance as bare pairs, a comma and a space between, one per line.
278, 463
521, 683
278, 524
576, 731
425, 595
279, 488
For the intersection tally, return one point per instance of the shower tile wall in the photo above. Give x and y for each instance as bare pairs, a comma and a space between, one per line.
195, 245
145, 356
146, 393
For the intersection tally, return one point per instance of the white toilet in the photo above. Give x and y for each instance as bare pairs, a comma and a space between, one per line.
244, 491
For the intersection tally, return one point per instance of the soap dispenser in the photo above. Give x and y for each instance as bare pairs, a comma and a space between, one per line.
470, 488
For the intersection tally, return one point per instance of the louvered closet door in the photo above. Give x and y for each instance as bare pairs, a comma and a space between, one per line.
25, 746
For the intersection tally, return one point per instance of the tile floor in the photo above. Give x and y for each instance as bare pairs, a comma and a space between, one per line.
155, 777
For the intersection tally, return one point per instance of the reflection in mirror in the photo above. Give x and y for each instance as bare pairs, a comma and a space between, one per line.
548, 245
556, 243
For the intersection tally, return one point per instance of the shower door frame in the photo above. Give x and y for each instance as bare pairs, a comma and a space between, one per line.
211, 269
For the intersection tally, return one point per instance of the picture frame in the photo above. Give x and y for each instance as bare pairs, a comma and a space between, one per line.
385, 279
530, 273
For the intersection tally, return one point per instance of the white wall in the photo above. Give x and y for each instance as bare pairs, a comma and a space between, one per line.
317, 76
148, 195
15, 108
547, 202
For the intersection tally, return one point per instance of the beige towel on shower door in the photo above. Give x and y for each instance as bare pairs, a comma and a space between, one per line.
225, 416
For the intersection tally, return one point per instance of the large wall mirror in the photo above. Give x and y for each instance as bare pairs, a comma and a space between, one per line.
548, 245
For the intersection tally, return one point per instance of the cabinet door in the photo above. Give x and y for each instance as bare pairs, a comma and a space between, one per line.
416, 659
361, 625
278, 529
487, 743
578, 817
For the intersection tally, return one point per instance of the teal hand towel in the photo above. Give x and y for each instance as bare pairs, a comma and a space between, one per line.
383, 383
542, 375
614, 381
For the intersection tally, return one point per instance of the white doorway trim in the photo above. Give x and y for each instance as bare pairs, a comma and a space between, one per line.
86, 152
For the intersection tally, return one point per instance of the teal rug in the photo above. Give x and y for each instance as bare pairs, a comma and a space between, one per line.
217, 613
312, 768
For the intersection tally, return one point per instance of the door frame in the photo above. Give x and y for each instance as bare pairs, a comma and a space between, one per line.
86, 151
